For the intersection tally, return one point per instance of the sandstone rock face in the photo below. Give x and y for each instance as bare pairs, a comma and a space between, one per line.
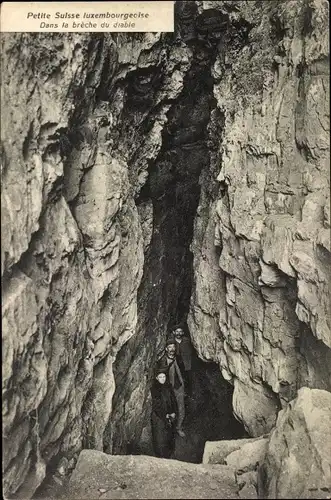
297, 462
73, 161
100, 134
260, 304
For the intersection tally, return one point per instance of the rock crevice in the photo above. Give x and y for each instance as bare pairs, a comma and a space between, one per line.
152, 178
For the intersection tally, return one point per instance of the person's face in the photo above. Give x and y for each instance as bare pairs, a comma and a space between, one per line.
179, 334
171, 350
161, 377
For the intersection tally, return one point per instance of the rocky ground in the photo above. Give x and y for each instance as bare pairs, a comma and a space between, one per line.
292, 462
208, 417
102, 476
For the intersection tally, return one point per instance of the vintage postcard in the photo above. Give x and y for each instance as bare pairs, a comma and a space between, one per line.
165, 254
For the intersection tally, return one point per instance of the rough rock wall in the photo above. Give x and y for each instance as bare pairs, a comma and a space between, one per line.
260, 303
74, 157
169, 201
297, 460
84, 121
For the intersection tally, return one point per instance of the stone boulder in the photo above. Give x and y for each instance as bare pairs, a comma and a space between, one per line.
218, 452
298, 457
244, 455
98, 475
248, 457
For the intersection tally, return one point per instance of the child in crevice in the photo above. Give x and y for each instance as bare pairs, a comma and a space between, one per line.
164, 415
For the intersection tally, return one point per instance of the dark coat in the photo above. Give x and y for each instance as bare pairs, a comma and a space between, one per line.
174, 373
184, 354
163, 403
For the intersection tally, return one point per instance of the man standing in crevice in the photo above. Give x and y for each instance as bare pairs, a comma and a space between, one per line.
184, 357
176, 380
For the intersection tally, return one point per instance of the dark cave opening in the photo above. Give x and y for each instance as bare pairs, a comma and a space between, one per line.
173, 189
208, 416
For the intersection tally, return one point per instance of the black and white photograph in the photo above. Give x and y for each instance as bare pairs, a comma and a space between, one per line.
165, 252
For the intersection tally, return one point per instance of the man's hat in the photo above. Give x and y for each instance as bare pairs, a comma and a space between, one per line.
170, 340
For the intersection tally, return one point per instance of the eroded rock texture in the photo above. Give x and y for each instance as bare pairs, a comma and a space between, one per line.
297, 462
117, 151
83, 129
260, 303
72, 242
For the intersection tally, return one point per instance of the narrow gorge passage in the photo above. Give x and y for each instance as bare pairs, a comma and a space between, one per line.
152, 179
171, 194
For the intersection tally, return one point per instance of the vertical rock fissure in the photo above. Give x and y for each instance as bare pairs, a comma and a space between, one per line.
169, 201
173, 187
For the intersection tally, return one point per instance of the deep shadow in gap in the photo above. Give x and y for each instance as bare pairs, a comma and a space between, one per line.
209, 415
